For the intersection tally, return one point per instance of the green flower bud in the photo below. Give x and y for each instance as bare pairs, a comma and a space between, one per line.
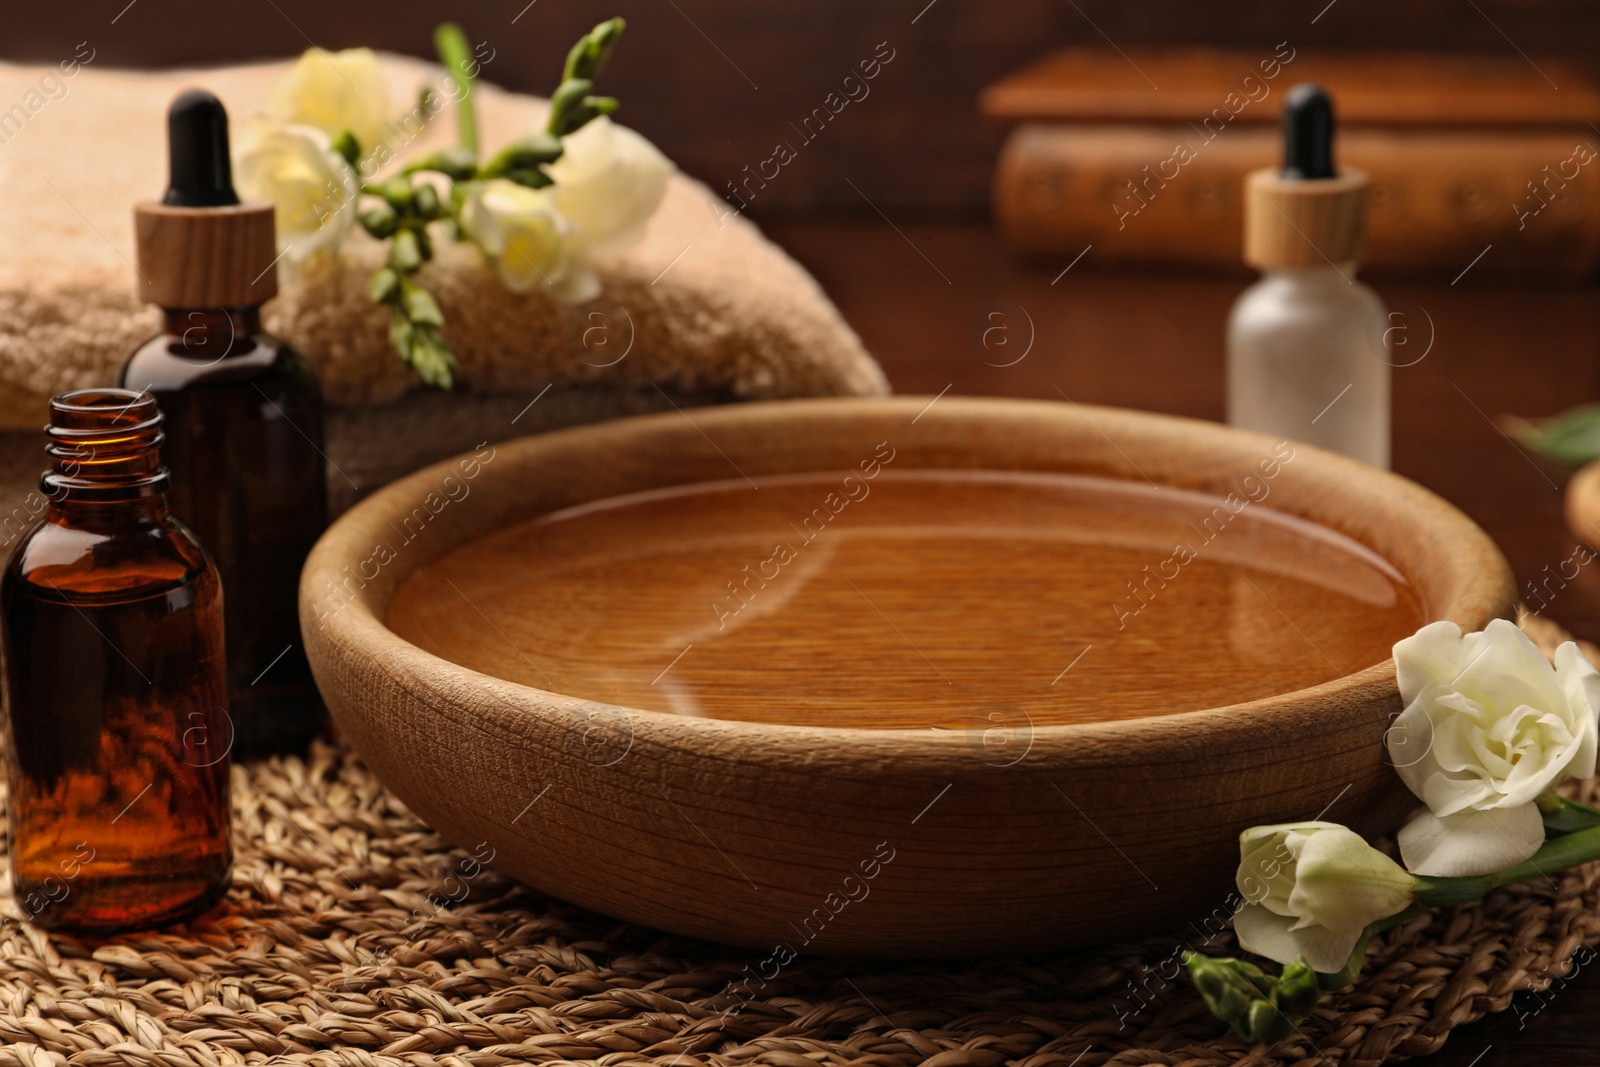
525, 154
420, 307
1297, 991
405, 254
564, 102
458, 164
589, 55
344, 142
430, 357
1221, 996
398, 193
401, 334
533, 179
578, 59
383, 286
1263, 1022
426, 202
379, 221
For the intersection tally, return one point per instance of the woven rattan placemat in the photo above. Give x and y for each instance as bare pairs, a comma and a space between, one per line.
355, 936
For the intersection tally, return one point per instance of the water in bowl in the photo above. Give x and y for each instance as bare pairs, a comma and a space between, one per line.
913, 600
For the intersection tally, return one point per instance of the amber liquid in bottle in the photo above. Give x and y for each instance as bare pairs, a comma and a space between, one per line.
118, 734
244, 444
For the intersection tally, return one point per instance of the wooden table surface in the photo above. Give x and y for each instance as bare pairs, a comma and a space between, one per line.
941, 305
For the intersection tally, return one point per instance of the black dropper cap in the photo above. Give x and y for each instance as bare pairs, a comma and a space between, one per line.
199, 172
1307, 133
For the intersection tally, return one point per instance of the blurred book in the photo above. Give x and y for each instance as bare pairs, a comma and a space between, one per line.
1141, 155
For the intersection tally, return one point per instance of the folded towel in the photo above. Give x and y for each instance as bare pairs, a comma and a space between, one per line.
702, 304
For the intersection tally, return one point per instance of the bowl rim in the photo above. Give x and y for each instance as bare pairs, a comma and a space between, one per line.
1484, 594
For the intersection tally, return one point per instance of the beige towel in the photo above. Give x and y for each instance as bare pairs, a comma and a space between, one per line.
710, 306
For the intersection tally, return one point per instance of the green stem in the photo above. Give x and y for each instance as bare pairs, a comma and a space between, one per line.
1563, 816
456, 55
1554, 855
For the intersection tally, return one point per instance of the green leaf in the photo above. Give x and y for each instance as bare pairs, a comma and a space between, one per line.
1571, 437
383, 286
419, 305
405, 255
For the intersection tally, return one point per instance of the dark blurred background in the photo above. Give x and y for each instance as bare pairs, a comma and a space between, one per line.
716, 83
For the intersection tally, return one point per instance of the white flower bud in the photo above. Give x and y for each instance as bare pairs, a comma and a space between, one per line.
1310, 889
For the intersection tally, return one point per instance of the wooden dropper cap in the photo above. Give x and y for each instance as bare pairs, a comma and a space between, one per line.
1307, 214
199, 247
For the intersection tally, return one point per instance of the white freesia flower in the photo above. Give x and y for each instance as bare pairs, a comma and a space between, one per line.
312, 187
608, 182
1310, 889
527, 240
1488, 726
334, 91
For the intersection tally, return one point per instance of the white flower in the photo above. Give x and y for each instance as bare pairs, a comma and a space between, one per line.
1488, 726
312, 187
609, 181
526, 240
334, 91
1310, 889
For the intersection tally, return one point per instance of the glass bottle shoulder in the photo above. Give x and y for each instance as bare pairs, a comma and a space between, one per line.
1308, 298
171, 361
1308, 293
98, 562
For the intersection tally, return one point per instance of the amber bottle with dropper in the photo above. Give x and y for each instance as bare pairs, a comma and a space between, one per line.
117, 736
244, 418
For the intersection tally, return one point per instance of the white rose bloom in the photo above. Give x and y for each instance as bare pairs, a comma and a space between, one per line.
334, 91
608, 181
313, 188
1310, 889
1488, 726
526, 240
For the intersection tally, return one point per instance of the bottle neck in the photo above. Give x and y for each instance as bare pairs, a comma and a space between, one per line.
105, 451
1326, 274
211, 333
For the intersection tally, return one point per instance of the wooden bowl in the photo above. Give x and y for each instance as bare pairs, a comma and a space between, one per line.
1024, 672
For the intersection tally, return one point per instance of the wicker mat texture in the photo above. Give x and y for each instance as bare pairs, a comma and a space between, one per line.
356, 936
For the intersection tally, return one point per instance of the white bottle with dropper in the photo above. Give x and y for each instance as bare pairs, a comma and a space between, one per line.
1307, 345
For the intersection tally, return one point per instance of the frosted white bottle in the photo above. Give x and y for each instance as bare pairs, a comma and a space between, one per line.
1308, 361
1308, 351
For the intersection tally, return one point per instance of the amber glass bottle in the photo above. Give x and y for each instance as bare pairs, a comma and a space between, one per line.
244, 432
244, 419
118, 732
